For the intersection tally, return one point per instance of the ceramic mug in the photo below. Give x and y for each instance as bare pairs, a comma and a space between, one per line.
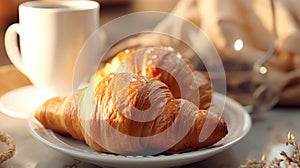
51, 35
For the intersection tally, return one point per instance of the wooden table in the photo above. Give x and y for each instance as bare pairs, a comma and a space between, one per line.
266, 136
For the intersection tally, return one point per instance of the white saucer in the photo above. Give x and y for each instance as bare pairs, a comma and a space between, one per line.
22, 101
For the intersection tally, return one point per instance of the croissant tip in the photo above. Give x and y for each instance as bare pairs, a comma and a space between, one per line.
37, 113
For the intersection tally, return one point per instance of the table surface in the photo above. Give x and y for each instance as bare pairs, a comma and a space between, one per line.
266, 136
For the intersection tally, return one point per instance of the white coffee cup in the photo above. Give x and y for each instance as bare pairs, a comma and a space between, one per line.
51, 36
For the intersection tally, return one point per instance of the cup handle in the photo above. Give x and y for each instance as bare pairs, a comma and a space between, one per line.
12, 47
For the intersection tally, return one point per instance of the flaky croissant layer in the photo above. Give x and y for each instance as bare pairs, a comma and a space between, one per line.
126, 113
166, 65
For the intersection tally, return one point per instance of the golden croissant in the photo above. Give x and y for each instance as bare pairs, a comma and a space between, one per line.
124, 110
137, 112
168, 66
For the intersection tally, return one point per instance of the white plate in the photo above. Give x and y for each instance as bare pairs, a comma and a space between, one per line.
237, 119
20, 102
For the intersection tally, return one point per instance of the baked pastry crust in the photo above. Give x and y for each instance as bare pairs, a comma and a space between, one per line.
132, 113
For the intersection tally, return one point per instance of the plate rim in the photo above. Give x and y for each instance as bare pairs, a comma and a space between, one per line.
108, 158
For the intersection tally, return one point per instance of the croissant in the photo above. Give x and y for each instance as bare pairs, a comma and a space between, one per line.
167, 65
126, 113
